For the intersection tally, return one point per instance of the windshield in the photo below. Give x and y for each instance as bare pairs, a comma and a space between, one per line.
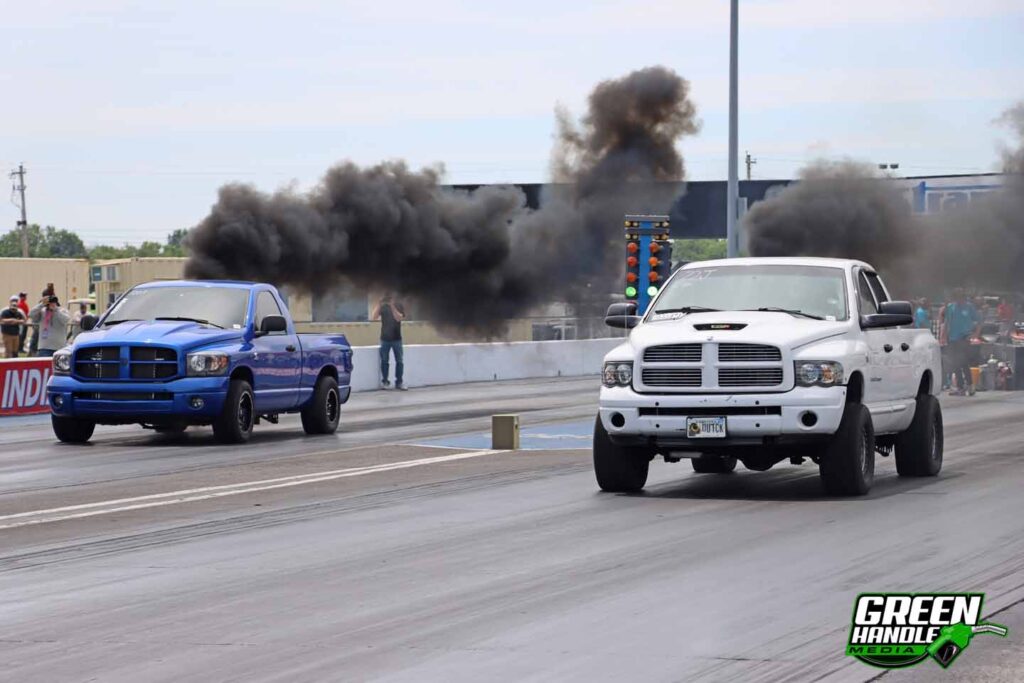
221, 306
813, 290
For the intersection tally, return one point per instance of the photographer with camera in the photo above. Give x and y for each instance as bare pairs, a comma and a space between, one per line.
51, 325
391, 313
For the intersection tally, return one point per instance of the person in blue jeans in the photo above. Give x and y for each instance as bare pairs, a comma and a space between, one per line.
391, 313
962, 322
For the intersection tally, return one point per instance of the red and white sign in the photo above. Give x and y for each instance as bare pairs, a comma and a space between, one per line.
23, 386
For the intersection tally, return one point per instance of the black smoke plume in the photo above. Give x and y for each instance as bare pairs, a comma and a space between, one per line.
847, 210
839, 209
467, 259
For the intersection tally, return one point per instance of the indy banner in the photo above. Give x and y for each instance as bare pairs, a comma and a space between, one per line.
23, 386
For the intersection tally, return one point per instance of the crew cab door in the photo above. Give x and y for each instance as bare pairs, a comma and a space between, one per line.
879, 387
277, 363
903, 390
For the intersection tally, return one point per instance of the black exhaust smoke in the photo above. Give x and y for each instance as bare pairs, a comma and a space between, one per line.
468, 260
847, 210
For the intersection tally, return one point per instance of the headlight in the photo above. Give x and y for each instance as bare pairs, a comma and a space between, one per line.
200, 364
820, 373
617, 374
62, 362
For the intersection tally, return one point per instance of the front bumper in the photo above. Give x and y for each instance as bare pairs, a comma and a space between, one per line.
660, 419
69, 397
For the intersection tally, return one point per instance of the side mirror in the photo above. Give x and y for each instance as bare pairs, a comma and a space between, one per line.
89, 322
273, 323
896, 308
890, 314
622, 315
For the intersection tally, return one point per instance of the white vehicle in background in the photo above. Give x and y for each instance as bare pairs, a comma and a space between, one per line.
761, 360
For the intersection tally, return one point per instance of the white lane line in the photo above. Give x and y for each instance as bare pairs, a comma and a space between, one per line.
190, 495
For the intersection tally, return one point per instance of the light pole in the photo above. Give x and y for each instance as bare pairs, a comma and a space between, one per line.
732, 238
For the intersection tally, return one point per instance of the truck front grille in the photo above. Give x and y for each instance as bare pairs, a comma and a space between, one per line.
139, 363
672, 377
673, 353
98, 362
745, 353
749, 377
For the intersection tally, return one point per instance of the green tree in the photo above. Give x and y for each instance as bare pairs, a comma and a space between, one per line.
10, 243
48, 242
697, 250
62, 244
103, 252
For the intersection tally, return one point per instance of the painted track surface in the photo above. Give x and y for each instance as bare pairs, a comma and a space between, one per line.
498, 566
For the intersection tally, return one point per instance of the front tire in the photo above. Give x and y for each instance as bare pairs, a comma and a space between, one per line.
848, 465
323, 413
234, 424
72, 429
919, 447
619, 469
710, 464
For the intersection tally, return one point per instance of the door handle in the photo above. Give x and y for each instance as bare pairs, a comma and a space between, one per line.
290, 348
888, 348
905, 346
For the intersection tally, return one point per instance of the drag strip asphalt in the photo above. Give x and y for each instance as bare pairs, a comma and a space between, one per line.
403, 549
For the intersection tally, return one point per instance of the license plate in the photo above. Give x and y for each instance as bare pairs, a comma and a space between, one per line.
705, 427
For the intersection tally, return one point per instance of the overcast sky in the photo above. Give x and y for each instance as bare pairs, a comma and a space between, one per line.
130, 115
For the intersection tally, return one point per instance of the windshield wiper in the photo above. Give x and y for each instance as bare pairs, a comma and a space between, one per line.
791, 311
191, 320
688, 309
107, 323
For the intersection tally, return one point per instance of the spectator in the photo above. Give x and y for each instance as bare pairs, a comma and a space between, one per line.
76, 321
947, 363
962, 322
391, 313
13, 322
1005, 315
922, 316
24, 308
52, 325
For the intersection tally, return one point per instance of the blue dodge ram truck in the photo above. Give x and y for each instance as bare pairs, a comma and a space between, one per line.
172, 354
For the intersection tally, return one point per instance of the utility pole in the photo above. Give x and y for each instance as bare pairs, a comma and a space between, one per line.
732, 238
750, 162
20, 187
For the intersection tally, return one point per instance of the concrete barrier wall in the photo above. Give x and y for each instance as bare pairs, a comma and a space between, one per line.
23, 381
429, 364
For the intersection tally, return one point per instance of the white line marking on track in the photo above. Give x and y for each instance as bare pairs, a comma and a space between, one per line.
207, 492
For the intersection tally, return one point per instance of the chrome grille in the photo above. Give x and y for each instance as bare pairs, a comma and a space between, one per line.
749, 377
745, 353
673, 353
671, 377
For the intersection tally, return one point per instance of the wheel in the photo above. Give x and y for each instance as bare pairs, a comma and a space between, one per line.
72, 429
323, 413
234, 424
618, 468
919, 447
713, 464
848, 464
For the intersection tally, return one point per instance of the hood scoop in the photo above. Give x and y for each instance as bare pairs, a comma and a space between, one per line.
715, 327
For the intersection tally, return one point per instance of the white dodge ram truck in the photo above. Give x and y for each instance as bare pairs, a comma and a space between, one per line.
769, 359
